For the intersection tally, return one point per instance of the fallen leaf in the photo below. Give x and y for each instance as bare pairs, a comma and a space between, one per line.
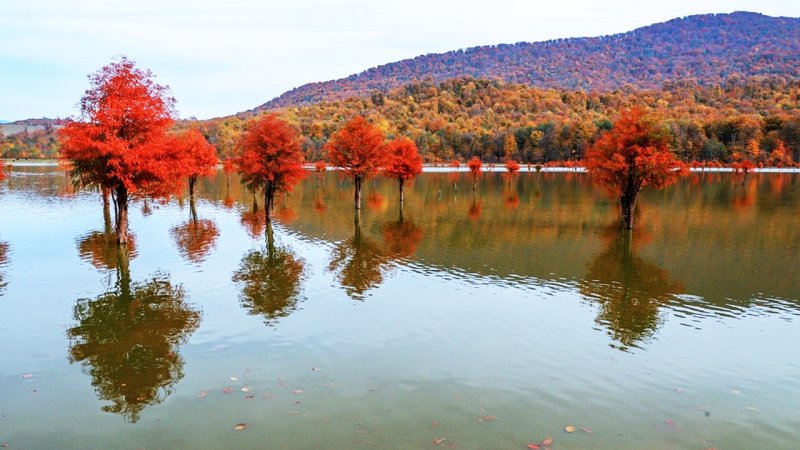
227, 390
297, 402
438, 441
533, 446
297, 391
569, 429
27, 375
678, 390
245, 389
736, 392
586, 429
248, 397
315, 369
435, 424
547, 442
234, 379
240, 426
752, 408
202, 394
487, 418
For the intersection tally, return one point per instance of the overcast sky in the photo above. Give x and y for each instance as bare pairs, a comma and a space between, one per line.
224, 56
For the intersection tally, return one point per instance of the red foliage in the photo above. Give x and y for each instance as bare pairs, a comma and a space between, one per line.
357, 149
2, 171
512, 166
475, 210
781, 156
402, 238
270, 157
455, 164
320, 167
633, 154
403, 161
475, 165
195, 238
228, 166
199, 158
120, 141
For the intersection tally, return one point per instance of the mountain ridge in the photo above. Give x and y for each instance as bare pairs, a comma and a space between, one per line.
705, 48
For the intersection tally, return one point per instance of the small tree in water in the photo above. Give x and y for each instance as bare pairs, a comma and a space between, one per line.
270, 158
200, 157
635, 153
359, 150
120, 143
403, 162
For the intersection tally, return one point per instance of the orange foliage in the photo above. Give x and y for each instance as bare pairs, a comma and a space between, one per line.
402, 237
474, 165
403, 161
357, 149
512, 166
195, 238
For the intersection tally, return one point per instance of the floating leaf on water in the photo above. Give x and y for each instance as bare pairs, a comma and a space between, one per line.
736, 392
234, 379
678, 390
569, 429
487, 418
202, 394
240, 426
227, 390
586, 429
297, 391
435, 424
245, 389
27, 375
439, 441
533, 446
547, 442
297, 402
248, 397
315, 369
752, 408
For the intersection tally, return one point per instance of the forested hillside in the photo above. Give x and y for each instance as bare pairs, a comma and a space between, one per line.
705, 48
464, 117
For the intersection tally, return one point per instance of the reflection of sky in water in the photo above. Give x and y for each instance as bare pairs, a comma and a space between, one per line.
518, 313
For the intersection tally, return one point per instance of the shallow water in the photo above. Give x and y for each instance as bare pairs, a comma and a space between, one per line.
491, 320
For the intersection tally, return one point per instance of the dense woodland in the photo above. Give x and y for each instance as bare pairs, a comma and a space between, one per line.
705, 48
461, 118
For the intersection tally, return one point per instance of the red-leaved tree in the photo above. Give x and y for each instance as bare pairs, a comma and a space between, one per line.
199, 157
475, 165
358, 149
403, 162
2, 171
270, 158
635, 153
120, 142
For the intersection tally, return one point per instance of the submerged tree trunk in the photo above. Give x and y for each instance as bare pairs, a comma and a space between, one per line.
192, 182
121, 203
269, 199
402, 197
193, 210
627, 204
357, 181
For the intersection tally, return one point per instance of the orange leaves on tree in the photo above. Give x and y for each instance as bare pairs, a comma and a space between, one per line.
320, 167
781, 156
357, 149
403, 161
512, 166
2, 171
633, 154
198, 157
120, 139
475, 166
270, 157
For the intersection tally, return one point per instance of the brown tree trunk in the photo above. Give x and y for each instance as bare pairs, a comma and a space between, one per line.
122, 215
627, 204
269, 197
192, 182
402, 197
357, 181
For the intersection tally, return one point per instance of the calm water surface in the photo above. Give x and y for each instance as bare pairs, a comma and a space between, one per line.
490, 320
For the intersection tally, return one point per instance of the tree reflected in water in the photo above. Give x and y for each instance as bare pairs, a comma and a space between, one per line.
195, 238
629, 290
401, 237
254, 221
271, 280
358, 262
100, 248
128, 338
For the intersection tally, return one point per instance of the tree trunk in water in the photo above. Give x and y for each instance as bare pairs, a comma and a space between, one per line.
105, 194
402, 197
358, 181
122, 215
269, 197
192, 181
192, 209
627, 204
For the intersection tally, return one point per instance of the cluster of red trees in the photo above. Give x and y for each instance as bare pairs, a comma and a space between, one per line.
123, 145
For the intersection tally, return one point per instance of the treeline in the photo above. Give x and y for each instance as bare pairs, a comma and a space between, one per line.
38, 143
465, 117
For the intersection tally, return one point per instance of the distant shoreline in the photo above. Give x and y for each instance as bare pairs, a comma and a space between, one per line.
447, 169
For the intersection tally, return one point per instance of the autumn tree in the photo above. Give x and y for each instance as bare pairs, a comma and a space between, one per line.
780, 155
403, 162
2, 171
358, 150
119, 143
635, 153
270, 158
509, 147
475, 165
198, 156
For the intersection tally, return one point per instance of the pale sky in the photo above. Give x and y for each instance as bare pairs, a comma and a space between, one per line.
224, 56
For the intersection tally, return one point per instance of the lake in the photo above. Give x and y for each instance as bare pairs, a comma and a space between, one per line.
473, 320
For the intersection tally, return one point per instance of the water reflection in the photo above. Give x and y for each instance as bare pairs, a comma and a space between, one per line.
629, 290
3, 262
195, 238
254, 221
127, 340
270, 280
401, 237
100, 247
358, 262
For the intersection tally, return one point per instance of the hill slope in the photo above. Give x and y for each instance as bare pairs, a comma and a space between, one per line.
706, 48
